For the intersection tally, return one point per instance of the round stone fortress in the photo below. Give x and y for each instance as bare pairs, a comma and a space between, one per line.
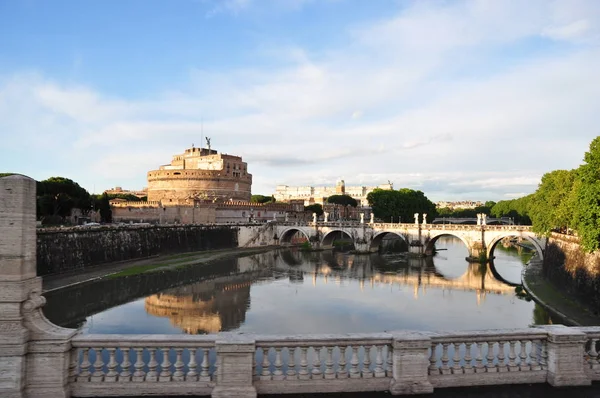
200, 173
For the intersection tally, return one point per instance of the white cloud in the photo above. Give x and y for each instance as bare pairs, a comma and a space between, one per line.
427, 98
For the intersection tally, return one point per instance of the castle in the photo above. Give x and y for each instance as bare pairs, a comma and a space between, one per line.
200, 173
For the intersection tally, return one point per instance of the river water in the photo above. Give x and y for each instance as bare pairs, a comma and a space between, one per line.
294, 292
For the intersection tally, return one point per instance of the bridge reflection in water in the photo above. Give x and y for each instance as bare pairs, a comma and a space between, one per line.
222, 302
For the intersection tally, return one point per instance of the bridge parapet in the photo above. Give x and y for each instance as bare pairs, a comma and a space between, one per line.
401, 362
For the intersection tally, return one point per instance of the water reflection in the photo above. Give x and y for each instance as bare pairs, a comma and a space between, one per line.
328, 292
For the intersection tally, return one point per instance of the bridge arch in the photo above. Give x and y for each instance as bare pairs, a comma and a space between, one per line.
430, 242
330, 236
288, 235
378, 238
537, 244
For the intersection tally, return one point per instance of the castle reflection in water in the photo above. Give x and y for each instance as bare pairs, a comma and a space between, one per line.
220, 304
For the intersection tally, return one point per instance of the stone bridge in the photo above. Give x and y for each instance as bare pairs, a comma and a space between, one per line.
480, 240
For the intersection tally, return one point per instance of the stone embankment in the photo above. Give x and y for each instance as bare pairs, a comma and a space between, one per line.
64, 250
566, 283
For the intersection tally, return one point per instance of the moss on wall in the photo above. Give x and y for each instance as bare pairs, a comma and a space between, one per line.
67, 250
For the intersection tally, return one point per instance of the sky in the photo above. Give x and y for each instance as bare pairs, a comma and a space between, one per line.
460, 99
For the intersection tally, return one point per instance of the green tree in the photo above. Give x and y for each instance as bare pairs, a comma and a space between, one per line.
344, 201
389, 204
57, 196
262, 199
551, 207
518, 209
104, 208
587, 198
315, 208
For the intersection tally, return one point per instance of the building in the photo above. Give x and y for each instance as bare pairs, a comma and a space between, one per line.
206, 212
462, 204
121, 191
200, 173
311, 195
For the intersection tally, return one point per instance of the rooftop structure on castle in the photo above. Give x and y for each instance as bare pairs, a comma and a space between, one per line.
200, 173
310, 195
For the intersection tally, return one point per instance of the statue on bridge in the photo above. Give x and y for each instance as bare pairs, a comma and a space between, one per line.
315, 218
424, 218
416, 218
326, 214
372, 218
362, 218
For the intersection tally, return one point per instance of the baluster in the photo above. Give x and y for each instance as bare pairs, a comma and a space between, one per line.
512, 365
354, 372
125, 375
468, 368
303, 373
445, 359
165, 366
178, 375
544, 355
433, 369
479, 368
152, 374
329, 372
278, 373
111, 375
533, 355
456, 368
192, 374
291, 370
84, 373
389, 370
501, 357
138, 374
316, 369
205, 366
98, 374
523, 365
366, 369
342, 373
593, 354
266, 372
490, 357
379, 371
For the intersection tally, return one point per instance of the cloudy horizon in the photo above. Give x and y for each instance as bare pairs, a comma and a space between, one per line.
464, 100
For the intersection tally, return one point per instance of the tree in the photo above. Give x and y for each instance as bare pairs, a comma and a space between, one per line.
343, 200
104, 207
262, 199
587, 198
552, 205
403, 203
315, 208
57, 196
517, 209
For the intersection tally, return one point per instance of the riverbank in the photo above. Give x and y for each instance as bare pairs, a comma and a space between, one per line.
152, 264
568, 310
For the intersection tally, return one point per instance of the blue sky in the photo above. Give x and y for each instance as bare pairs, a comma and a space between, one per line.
461, 99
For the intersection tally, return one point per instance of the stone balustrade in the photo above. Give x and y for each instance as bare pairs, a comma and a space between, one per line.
490, 357
240, 365
331, 363
122, 365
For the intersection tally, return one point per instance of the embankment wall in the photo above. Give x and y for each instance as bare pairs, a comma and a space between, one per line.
61, 251
572, 269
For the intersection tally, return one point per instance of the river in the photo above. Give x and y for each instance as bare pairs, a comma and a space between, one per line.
290, 292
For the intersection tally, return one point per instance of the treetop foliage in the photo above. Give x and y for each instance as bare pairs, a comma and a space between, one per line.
262, 199
314, 208
565, 200
402, 204
342, 200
